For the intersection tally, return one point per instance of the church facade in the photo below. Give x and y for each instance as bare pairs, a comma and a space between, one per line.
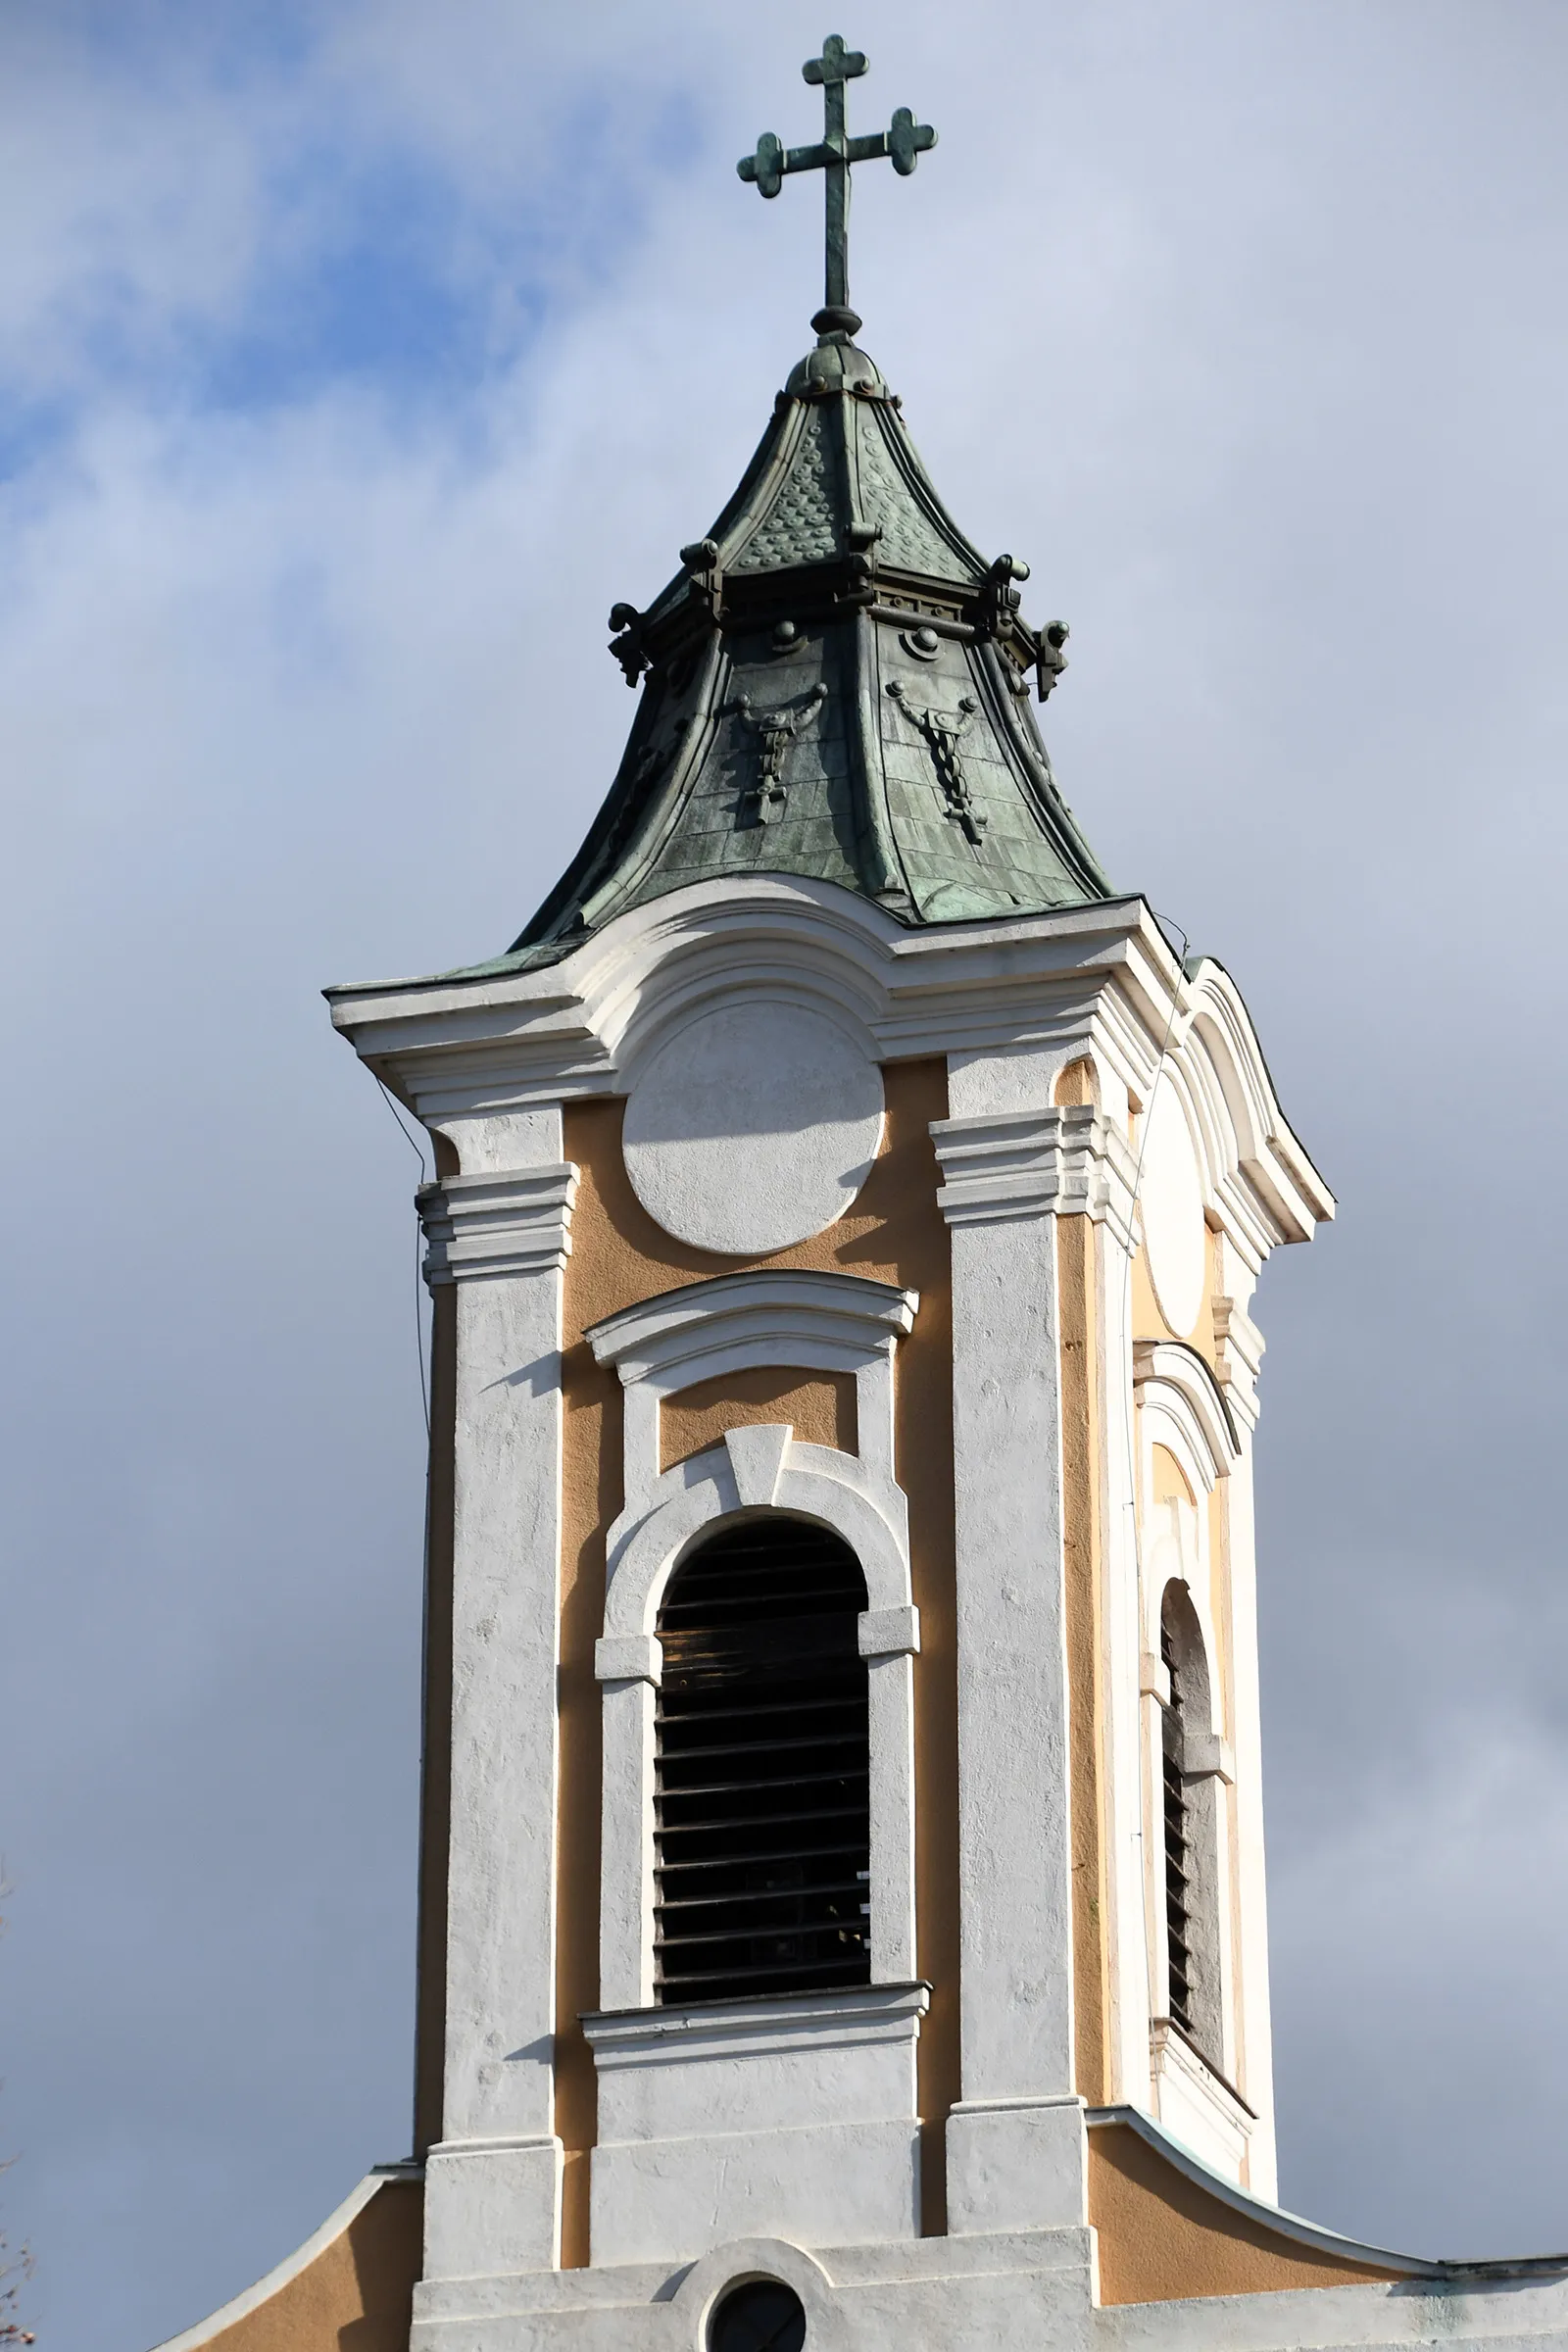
843, 1906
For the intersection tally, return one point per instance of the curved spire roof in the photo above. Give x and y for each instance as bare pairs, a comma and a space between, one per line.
836, 684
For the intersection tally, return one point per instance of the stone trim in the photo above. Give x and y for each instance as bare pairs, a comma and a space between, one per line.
628, 1658
890, 1633
667, 1339
1065, 1161
1210, 2108
822, 1322
484, 1046
639, 1658
480, 1228
813, 1482
657, 2036
1178, 1378
1239, 1352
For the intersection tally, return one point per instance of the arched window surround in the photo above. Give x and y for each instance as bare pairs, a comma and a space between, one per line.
814, 1319
1186, 1739
1182, 1410
1180, 1407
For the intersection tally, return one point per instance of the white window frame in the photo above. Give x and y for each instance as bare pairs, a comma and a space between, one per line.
1181, 1407
814, 1321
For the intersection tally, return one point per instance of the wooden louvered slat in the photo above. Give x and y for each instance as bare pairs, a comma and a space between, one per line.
1178, 1925
762, 1817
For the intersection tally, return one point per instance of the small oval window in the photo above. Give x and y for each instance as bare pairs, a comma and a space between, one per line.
762, 2316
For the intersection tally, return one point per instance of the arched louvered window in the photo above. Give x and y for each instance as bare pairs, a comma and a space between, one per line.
1178, 1842
1192, 1901
762, 1822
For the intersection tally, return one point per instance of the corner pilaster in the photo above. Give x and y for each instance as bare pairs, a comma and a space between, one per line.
500, 1236
1016, 2144
1239, 1353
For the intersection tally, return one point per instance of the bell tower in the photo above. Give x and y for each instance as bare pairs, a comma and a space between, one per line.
843, 1903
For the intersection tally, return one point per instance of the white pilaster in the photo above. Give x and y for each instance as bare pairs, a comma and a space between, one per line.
1011, 1163
500, 1236
1239, 1352
1125, 1915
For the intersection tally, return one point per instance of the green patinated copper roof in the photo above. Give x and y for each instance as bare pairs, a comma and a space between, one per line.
836, 684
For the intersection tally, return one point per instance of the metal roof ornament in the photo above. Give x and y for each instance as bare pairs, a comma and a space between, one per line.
775, 729
836, 683
903, 144
944, 732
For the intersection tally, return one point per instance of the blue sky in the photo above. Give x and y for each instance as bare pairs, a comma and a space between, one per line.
354, 359
246, 214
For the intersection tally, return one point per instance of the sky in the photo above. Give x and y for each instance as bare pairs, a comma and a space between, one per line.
355, 357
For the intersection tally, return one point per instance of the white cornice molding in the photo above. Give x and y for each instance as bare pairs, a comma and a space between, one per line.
772, 1319
1222, 1056
1064, 1162
1098, 980
570, 1029
803, 2020
481, 1228
822, 1321
1239, 1352
1169, 1373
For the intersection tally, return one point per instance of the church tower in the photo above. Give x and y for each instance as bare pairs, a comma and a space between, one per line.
843, 1917
842, 1903
843, 1788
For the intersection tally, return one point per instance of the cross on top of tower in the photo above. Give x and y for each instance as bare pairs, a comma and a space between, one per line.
904, 144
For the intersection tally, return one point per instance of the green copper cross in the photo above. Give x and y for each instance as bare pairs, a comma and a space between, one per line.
903, 144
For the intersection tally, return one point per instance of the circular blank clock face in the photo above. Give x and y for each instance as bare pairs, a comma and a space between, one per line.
753, 1127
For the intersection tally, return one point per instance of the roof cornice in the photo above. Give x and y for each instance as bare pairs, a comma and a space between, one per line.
1097, 979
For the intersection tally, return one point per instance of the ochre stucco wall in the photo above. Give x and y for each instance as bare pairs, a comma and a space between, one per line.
894, 1233
1163, 2238
357, 2295
819, 1406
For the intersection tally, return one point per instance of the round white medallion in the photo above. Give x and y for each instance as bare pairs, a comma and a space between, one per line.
1171, 1197
753, 1127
